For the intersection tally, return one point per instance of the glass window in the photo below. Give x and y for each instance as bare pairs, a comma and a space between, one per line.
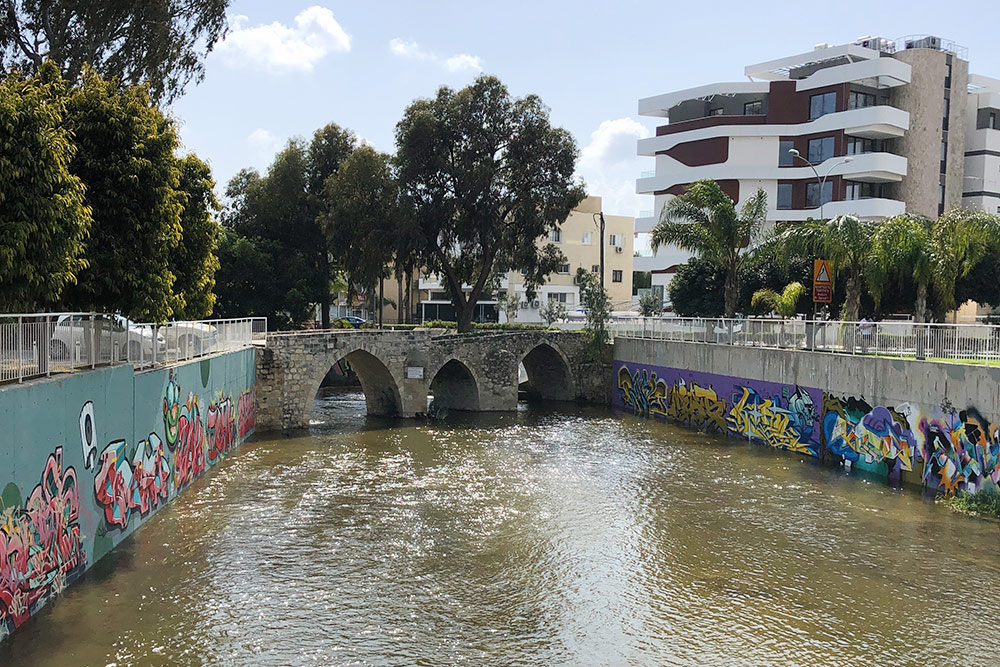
944, 151
860, 100
993, 121
564, 268
812, 194
822, 104
587, 238
715, 112
753, 108
784, 196
859, 145
859, 190
616, 276
820, 149
785, 158
595, 268
558, 296
555, 236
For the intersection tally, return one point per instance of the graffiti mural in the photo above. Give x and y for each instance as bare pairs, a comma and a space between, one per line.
40, 543
642, 392
246, 410
960, 451
131, 479
766, 421
878, 438
694, 405
185, 434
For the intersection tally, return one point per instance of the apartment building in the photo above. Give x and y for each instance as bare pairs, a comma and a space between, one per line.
579, 239
873, 128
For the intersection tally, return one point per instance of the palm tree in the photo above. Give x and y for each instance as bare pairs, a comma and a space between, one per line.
961, 238
704, 221
784, 303
846, 241
903, 248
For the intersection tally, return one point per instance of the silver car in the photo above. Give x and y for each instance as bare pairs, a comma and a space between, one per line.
75, 337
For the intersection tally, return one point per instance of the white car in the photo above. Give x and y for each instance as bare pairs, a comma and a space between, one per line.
72, 339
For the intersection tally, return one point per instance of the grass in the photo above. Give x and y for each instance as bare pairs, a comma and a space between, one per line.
984, 502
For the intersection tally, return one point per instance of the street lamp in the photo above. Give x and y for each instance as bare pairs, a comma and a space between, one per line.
599, 221
821, 180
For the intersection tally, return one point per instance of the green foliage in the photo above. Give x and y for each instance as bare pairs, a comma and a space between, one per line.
650, 305
595, 302
984, 502
439, 324
510, 326
784, 303
42, 214
980, 284
641, 280
961, 239
552, 311
698, 289
486, 176
509, 304
705, 222
157, 42
246, 284
125, 157
194, 262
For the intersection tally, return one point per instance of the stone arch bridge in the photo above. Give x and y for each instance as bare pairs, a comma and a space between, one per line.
399, 370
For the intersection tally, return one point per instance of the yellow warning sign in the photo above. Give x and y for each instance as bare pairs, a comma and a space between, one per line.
822, 281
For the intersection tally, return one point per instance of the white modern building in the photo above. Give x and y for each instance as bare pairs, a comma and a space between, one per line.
873, 128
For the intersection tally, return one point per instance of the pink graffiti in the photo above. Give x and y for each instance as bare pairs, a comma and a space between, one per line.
221, 429
40, 550
124, 484
246, 410
189, 457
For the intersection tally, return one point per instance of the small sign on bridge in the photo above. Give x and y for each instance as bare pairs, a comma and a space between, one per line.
414, 372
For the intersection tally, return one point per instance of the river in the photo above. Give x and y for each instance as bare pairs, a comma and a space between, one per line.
548, 536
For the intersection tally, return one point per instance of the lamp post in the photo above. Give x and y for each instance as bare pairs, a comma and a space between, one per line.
821, 180
599, 221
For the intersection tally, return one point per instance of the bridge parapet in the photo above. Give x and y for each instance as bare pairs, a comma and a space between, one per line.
399, 370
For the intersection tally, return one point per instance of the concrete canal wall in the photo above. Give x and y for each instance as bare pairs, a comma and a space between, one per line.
916, 422
85, 459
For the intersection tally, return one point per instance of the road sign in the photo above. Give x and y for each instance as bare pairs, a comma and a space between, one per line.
822, 281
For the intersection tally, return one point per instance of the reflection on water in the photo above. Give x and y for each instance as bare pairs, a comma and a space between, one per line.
541, 537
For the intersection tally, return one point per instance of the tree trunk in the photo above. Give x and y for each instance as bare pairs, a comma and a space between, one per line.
853, 303
732, 292
381, 299
399, 297
409, 295
920, 307
464, 316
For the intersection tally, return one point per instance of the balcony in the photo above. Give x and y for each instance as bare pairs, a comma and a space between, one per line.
875, 73
863, 208
659, 105
645, 223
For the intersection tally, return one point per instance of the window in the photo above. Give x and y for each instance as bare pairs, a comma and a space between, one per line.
859, 145
858, 190
555, 236
820, 149
941, 197
785, 159
993, 121
947, 110
561, 297
784, 196
617, 240
822, 104
947, 77
564, 269
595, 268
588, 238
860, 100
715, 112
616, 276
812, 194
753, 108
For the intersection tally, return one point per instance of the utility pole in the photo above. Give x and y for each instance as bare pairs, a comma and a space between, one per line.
599, 221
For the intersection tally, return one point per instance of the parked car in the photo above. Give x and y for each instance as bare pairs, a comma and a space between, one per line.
354, 321
73, 332
190, 338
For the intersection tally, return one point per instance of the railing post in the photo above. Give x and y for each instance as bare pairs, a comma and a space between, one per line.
20, 352
48, 350
93, 351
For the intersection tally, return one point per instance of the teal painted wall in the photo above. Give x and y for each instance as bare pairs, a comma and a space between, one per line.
86, 459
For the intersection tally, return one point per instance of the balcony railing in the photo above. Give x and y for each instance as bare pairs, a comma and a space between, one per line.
41, 344
959, 343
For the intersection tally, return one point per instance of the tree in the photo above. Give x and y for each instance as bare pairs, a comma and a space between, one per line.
193, 262
846, 241
783, 303
361, 216
902, 250
553, 311
704, 221
650, 305
641, 280
157, 42
125, 157
980, 284
509, 304
486, 177
246, 284
961, 239
698, 289
597, 306
43, 217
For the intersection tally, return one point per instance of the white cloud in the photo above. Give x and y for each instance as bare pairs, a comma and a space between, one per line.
263, 140
457, 63
609, 165
276, 46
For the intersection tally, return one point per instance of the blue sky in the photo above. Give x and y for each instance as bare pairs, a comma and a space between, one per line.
288, 68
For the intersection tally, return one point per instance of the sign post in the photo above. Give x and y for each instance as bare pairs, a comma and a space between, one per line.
822, 281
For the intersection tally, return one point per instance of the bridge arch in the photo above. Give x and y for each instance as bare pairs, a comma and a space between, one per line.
381, 391
549, 374
455, 387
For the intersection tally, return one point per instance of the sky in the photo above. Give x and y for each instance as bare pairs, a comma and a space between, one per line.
288, 68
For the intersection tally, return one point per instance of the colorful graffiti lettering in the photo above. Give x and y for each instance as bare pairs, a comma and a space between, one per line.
221, 429
879, 438
765, 420
128, 480
642, 392
961, 451
40, 548
246, 408
694, 405
189, 456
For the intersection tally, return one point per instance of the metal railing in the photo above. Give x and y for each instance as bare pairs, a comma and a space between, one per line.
959, 343
40, 344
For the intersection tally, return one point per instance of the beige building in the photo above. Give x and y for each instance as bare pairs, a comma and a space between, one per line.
579, 239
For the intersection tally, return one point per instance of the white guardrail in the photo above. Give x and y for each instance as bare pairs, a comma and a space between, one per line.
38, 344
960, 343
